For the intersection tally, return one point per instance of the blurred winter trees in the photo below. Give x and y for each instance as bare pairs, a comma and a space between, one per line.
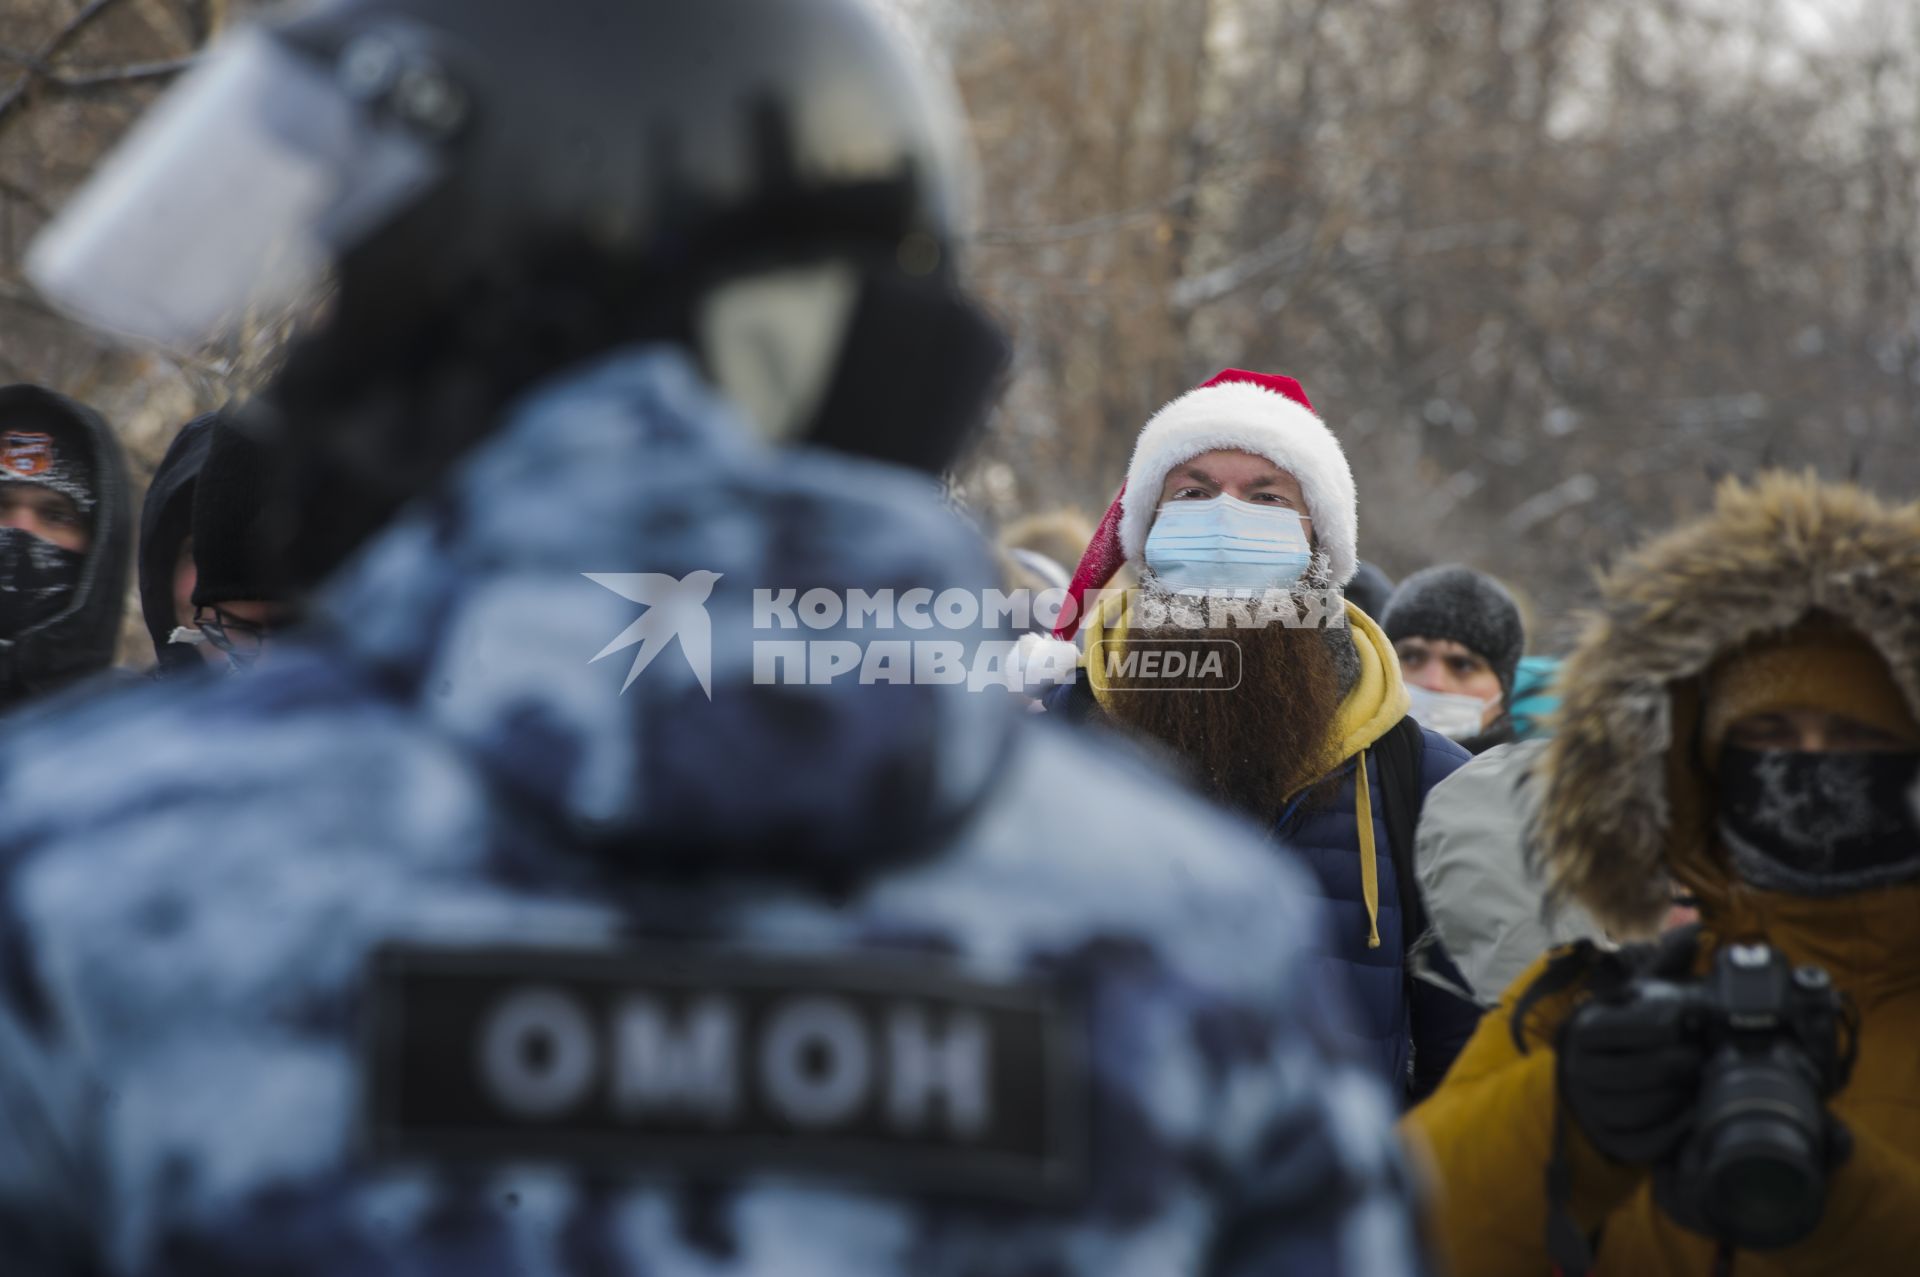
73, 75
1548, 267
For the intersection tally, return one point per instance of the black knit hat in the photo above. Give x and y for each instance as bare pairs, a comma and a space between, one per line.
1462, 606
1370, 589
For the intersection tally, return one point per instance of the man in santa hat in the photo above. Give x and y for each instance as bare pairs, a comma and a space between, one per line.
1239, 655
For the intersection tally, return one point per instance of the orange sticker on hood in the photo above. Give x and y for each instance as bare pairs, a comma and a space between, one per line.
26, 454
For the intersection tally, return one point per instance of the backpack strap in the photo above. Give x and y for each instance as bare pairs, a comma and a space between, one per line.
1401, 752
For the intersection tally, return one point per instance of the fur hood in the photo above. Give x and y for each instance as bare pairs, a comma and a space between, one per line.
1626, 800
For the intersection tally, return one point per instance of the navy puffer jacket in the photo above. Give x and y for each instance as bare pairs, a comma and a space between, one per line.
1411, 1029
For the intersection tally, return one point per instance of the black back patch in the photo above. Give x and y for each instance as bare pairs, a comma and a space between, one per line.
883, 1070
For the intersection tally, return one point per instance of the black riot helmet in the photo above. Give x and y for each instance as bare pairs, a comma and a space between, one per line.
496, 190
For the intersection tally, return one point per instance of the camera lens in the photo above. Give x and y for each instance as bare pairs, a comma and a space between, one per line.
1764, 1179
1759, 1182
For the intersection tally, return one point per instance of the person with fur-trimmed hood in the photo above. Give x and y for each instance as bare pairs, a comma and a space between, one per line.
1240, 515
1742, 721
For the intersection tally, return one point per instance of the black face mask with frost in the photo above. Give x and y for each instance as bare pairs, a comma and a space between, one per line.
1820, 824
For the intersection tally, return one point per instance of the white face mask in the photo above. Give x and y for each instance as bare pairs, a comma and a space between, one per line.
1454, 716
1224, 543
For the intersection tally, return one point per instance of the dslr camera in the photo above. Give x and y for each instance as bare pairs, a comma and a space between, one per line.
1779, 1042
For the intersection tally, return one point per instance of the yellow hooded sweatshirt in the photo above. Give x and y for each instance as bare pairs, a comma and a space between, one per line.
1376, 702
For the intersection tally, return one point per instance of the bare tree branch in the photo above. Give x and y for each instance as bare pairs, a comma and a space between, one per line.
1104, 224
78, 81
17, 91
31, 198
25, 300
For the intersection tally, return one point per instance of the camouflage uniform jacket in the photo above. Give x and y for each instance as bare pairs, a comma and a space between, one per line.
201, 888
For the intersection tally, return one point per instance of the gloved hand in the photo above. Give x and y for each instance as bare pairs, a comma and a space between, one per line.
1629, 1073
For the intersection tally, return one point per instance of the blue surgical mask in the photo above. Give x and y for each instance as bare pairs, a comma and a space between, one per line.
1226, 544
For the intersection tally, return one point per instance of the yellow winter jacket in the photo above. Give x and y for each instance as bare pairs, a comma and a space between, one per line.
1488, 1130
1625, 812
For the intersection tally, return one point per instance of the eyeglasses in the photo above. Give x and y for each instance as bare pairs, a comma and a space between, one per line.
242, 641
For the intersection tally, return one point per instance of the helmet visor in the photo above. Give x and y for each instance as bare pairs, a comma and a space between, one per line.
229, 202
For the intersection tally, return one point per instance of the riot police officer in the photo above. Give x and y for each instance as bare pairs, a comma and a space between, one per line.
451, 947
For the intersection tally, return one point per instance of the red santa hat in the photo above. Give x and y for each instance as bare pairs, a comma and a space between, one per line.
1261, 413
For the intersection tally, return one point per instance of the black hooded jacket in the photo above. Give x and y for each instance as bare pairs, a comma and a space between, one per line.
80, 640
166, 519
232, 532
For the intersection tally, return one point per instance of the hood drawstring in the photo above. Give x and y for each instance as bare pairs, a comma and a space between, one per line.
1369, 869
